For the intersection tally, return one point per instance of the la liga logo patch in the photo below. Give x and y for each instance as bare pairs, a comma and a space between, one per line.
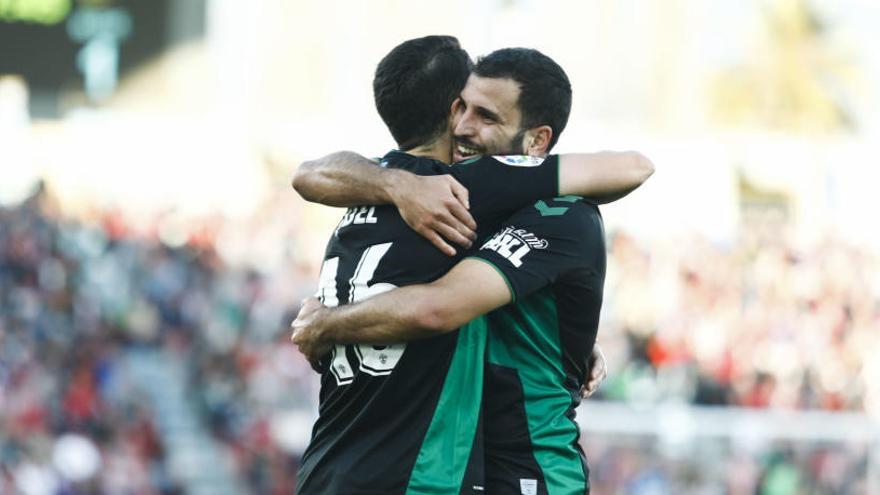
519, 160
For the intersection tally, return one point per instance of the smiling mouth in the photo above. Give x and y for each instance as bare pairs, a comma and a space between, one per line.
463, 151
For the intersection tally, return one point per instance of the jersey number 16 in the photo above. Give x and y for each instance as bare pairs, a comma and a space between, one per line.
373, 359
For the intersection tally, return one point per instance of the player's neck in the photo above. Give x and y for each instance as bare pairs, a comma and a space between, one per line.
439, 149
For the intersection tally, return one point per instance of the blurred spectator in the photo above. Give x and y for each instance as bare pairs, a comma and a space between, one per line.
756, 324
75, 296
634, 466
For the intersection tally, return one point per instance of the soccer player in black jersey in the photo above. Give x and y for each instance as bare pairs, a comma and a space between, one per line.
403, 418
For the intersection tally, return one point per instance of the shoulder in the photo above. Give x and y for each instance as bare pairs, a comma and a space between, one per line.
562, 209
586, 214
509, 160
415, 164
563, 217
493, 168
521, 160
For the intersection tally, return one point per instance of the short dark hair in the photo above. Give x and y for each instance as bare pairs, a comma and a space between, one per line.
415, 85
545, 91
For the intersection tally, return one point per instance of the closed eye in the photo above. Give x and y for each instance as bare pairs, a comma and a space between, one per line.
487, 115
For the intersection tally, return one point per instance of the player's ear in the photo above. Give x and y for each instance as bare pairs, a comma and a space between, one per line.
456, 106
537, 140
454, 114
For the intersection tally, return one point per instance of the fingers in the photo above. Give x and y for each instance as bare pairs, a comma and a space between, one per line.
589, 389
593, 385
453, 235
462, 221
461, 193
438, 210
437, 241
296, 334
596, 374
449, 225
313, 356
294, 325
600, 366
460, 210
319, 358
307, 309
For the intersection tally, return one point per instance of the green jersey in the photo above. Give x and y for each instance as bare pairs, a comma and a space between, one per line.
552, 256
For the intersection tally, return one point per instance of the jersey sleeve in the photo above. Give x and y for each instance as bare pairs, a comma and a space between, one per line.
545, 241
498, 186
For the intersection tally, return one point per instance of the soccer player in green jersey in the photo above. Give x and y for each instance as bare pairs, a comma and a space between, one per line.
548, 260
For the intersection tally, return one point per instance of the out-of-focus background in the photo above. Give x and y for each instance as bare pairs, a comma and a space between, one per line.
152, 252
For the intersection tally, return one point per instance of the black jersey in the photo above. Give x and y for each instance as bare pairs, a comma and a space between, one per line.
552, 255
403, 418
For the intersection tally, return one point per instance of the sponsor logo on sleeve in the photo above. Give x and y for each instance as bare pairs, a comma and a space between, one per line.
513, 244
519, 160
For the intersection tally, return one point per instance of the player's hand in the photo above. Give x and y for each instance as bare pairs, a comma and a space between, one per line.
437, 208
307, 332
596, 374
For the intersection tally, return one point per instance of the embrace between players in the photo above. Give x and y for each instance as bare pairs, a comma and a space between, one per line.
449, 371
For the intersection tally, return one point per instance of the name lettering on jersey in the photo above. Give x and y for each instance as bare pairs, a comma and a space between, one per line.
519, 160
358, 215
513, 244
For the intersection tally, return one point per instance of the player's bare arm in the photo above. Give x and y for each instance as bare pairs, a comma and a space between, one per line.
605, 176
347, 179
469, 290
434, 206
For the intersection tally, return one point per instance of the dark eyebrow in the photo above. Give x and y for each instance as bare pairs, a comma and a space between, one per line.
488, 114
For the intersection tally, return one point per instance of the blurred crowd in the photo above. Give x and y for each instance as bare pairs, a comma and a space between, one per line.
636, 465
76, 297
761, 323
60, 373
